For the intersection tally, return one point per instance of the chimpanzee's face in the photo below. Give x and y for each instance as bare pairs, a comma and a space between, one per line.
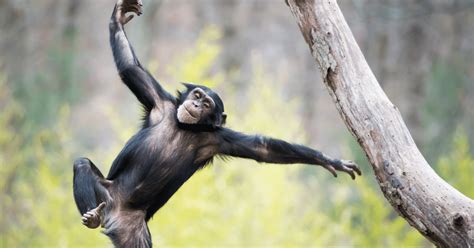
197, 106
200, 105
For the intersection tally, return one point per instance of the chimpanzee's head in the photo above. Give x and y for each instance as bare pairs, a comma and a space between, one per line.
200, 106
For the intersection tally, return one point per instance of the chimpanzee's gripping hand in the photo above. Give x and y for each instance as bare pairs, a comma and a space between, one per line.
125, 6
346, 166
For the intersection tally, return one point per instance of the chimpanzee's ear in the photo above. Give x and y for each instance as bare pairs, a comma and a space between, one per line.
224, 118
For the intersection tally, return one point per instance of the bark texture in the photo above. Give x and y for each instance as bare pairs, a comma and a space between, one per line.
437, 210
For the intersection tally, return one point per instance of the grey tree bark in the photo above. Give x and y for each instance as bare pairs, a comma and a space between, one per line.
437, 210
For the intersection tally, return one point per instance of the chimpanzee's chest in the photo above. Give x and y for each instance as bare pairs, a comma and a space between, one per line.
173, 146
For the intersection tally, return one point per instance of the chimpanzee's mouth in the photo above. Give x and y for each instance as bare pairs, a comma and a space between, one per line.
189, 112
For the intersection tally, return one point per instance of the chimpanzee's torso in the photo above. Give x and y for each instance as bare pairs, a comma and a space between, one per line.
155, 180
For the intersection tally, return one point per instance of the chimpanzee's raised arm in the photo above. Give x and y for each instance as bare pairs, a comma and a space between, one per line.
269, 150
141, 83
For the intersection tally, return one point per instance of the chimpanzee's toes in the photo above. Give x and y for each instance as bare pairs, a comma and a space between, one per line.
91, 219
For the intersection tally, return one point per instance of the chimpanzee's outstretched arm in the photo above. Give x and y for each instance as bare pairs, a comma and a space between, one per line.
148, 91
269, 150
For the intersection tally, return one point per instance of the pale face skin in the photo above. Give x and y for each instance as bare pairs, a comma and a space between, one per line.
197, 106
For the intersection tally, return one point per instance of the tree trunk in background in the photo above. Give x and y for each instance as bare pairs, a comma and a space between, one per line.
439, 212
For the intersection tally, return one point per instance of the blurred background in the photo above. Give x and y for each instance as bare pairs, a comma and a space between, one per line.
61, 98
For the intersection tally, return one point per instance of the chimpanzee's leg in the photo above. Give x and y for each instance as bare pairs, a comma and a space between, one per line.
89, 191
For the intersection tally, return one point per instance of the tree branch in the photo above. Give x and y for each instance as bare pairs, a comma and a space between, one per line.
437, 210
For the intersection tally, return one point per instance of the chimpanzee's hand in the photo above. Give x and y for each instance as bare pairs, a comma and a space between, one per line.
126, 6
346, 166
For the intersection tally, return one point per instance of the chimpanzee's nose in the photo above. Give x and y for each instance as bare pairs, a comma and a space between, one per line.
196, 104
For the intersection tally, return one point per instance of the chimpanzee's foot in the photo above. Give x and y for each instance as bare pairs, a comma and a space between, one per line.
91, 219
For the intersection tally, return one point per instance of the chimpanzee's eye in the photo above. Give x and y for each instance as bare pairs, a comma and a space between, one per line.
207, 104
197, 94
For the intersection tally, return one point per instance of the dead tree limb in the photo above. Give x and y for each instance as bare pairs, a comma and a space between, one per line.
429, 204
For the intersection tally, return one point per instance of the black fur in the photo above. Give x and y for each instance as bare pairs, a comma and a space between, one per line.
164, 154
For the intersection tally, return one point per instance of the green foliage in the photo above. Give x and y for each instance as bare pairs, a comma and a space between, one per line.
10, 159
457, 167
374, 223
36, 200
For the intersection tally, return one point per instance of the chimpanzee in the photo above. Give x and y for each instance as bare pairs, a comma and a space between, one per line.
179, 136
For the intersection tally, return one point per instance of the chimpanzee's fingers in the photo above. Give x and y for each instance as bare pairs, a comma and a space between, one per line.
128, 18
356, 169
139, 2
137, 9
331, 169
133, 7
353, 166
350, 172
